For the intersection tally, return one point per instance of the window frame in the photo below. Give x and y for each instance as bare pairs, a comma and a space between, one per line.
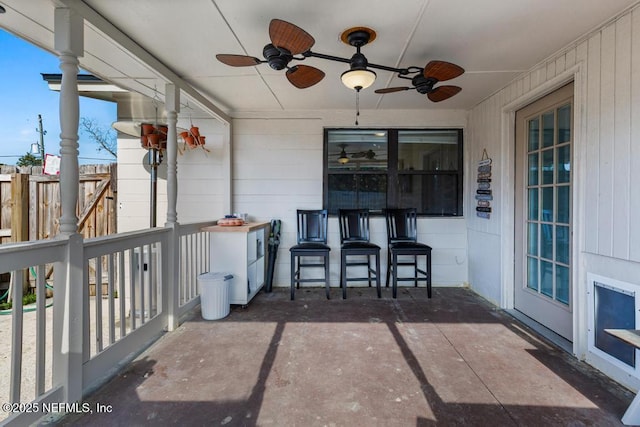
392, 173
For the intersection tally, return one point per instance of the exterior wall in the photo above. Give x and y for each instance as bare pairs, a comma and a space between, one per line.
201, 180
202, 176
606, 67
277, 168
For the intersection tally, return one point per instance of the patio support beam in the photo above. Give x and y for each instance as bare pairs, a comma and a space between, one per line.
68, 318
69, 45
171, 285
172, 107
227, 169
103, 25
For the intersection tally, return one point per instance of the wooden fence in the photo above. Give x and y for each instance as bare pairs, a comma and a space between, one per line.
31, 208
30, 202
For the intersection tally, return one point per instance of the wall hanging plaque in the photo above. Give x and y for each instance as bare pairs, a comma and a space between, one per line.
483, 192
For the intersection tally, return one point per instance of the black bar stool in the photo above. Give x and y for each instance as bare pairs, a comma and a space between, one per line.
402, 238
354, 241
312, 242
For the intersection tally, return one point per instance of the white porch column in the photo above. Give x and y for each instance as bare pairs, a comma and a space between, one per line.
171, 285
227, 169
172, 106
69, 44
68, 298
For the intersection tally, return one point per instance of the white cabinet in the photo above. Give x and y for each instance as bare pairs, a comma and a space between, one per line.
241, 251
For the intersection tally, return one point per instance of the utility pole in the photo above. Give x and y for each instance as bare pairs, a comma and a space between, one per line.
42, 134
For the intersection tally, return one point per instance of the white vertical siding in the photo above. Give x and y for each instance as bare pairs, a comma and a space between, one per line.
592, 144
606, 165
612, 156
611, 59
484, 235
634, 150
607, 136
622, 140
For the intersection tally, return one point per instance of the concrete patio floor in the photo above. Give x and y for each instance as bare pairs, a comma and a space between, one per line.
452, 360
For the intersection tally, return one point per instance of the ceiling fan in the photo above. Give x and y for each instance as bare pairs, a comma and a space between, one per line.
287, 40
433, 72
290, 42
344, 157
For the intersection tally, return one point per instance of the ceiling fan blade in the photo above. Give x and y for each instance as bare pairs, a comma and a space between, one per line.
304, 76
237, 60
443, 92
441, 70
392, 89
291, 37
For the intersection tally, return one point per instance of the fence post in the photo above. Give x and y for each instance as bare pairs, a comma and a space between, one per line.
20, 216
19, 207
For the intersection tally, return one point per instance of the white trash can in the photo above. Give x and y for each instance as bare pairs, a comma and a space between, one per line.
214, 295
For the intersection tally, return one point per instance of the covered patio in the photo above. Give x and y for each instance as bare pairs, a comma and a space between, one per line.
452, 360
457, 358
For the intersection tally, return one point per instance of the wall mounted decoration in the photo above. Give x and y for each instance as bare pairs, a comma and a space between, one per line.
484, 195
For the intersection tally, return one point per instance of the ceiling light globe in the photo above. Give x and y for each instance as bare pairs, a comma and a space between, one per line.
358, 79
343, 158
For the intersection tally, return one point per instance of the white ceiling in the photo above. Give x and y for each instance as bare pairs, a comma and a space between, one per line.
493, 40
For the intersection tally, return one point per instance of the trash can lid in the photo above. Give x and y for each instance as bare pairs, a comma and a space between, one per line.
216, 275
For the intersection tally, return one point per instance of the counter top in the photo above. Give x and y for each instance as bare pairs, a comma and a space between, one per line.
247, 227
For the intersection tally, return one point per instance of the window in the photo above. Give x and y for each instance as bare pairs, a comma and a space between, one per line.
387, 168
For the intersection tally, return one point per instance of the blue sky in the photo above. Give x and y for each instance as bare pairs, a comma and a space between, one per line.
24, 95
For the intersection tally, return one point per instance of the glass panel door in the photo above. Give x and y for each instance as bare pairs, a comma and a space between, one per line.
549, 203
543, 215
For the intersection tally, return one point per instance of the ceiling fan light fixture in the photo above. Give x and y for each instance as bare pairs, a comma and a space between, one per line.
343, 159
358, 78
289, 41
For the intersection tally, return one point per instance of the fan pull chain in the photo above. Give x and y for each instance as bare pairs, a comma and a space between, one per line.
357, 105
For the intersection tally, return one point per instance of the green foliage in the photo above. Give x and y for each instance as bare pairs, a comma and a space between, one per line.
27, 299
29, 160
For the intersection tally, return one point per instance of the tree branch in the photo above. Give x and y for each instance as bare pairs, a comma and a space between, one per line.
105, 138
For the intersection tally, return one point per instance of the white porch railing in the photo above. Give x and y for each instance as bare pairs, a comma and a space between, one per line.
133, 288
194, 260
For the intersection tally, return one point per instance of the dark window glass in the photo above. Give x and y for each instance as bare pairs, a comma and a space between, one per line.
378, 169
428, 150
534, 134
351, 190
353, 150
